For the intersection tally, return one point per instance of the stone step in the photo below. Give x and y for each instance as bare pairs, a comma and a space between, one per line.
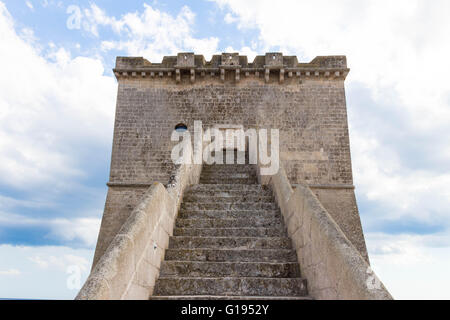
240, 181
231, 160
227, 214
229, 269
224, 166
230, 232
231, 286
227, 179
229, 255
228, 193
160, 161
229, 171
250, 222
177, 242
229, 206
201, 198
199, 297
159, 165
229, 175
229, 187
229, 241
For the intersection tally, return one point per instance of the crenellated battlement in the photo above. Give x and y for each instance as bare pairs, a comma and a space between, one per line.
232, 67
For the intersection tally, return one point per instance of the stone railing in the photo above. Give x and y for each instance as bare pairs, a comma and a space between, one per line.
130, 266
332, 265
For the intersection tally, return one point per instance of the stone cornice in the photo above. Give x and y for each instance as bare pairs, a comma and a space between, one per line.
231, 66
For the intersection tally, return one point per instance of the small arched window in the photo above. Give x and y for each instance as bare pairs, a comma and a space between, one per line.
181, 127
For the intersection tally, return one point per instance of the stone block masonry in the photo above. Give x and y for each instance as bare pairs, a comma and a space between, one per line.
305, 101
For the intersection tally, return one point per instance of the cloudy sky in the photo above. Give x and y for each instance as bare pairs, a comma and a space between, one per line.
57, 100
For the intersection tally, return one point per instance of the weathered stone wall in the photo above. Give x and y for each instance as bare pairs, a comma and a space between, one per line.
311, 117
305, 101
335, 269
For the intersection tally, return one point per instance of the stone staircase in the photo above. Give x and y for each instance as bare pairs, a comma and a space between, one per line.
229, 242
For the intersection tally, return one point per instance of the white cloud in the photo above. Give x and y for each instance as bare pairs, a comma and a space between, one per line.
412, 267
152, 33
10, 272
43, 271
245, 50
55, 101
29, 5
389, 44
381, 177
47, 3
51, 101
83, 231
229, 18
40, 262
396, 50
61, 263
47, 105
9, 202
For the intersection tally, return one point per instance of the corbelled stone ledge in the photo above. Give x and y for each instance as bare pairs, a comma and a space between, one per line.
231, 66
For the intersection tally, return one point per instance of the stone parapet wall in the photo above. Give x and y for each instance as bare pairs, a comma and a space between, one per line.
130, 265
341, 204
334, 268
120, 203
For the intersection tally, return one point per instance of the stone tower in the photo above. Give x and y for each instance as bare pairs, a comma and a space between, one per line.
305, 101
